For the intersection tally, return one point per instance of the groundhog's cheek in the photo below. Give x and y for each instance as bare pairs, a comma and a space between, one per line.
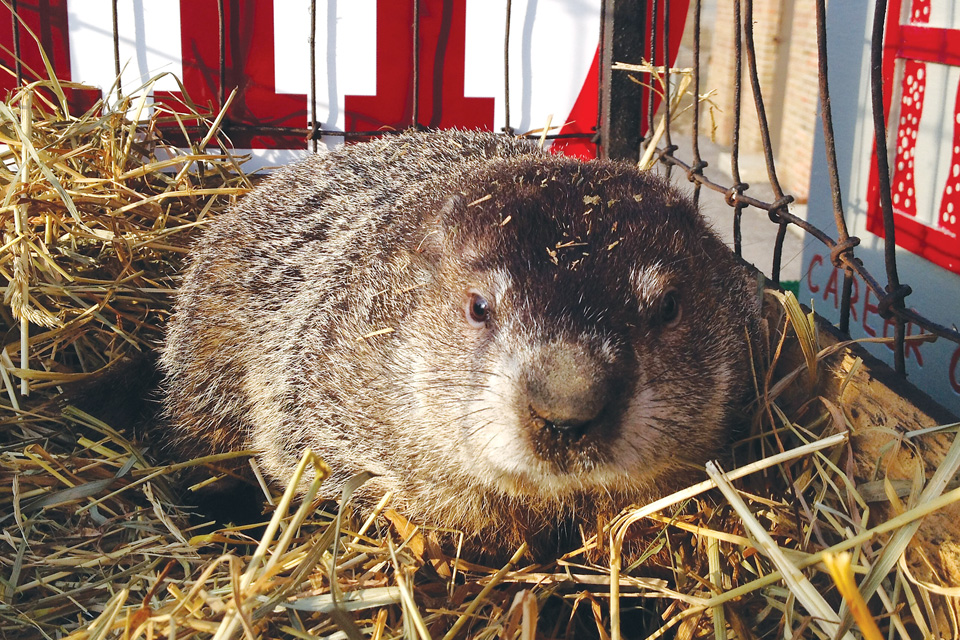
664, 424
492, 434
646, 429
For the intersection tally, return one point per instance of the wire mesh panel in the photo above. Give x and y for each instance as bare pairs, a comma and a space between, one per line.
840, 244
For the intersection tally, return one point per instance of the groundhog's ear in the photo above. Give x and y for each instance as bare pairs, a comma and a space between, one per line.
452, 212
442, 225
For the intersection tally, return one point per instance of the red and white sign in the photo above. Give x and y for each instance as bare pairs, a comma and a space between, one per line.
364, 73
921, 70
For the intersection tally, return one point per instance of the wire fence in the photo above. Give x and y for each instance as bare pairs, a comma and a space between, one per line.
891, 294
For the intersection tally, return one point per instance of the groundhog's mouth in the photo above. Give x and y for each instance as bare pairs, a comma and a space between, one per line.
568, 448
570, 432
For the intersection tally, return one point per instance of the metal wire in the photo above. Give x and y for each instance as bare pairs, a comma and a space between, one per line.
116, 48
18, 62
222, 30
698, 163
651, 94
738, 186
313, 76
601, 39
845, 243
506, 72
894, 293
670, 148
890, 296
781, 201
415, 118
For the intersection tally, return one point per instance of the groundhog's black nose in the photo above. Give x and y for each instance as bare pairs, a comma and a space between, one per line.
568, 390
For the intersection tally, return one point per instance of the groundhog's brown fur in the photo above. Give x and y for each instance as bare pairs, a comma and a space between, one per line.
509, 339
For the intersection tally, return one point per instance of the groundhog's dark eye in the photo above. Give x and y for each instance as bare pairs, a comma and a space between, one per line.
477, 310
670, 308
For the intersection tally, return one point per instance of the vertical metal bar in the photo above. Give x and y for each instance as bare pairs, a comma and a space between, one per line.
651, 93
883, 175
668, 144
506, 72
826, 119
116, 48
15, 20
845, 294
738, 186
778, 251
598, 137
622, 122
314, 126
221, 90
781, 202
416, 65
737, 232
698, 163
758, 99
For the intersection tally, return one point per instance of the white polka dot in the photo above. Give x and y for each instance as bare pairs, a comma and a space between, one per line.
946, 218
906, 203
907, 101
910, 191
913, 134
900, 167
909, 81
949, 189
900, 186
902, 119
958, 118
956, 149
920, 73
926, 11
920, 89
896, 198
949, 207
953, 219
956, 170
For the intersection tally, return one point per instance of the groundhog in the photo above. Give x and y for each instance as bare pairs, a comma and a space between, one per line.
516, 343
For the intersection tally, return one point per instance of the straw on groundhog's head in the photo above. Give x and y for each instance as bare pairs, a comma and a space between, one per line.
509, 339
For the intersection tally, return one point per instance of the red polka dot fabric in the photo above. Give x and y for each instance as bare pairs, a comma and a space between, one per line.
911, 109
950, 203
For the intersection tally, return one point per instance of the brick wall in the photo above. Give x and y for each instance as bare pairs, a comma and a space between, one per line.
800, 115
785, 44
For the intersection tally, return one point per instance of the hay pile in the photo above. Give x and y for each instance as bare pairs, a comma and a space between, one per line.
95, 217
